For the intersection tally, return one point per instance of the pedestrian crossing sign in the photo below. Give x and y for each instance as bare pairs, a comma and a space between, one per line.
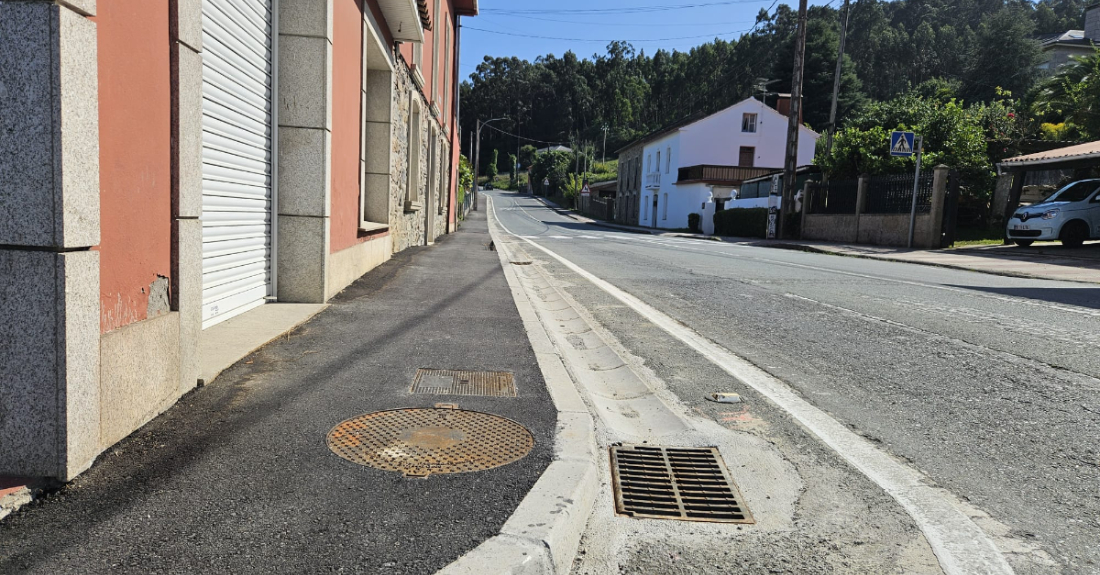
901, 144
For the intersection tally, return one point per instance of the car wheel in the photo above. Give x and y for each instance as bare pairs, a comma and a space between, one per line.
1074, 234
1024, 243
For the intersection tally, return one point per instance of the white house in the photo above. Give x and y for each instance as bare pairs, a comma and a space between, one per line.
684, 167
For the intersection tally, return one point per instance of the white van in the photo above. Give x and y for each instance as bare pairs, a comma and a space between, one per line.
1072, 215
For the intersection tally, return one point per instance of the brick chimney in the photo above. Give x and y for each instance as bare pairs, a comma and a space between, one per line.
1092, 22
783, 106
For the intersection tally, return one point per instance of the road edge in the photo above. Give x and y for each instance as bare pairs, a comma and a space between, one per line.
544, 532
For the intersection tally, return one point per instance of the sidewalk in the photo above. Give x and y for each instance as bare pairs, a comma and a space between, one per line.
238, 477
1042, 261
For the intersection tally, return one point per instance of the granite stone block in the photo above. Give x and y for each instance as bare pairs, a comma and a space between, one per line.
306, 18
304, 181
305, 82
302, 258
189, 203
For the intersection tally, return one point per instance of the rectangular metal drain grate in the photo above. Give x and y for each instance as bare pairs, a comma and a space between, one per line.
685, 483
454, 382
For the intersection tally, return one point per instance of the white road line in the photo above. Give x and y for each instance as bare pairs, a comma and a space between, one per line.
959, 544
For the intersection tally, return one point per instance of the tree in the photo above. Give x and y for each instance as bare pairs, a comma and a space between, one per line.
491, 169
1072, 97
512, 170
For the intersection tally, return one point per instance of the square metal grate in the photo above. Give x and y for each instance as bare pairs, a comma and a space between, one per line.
455, 382
685, 483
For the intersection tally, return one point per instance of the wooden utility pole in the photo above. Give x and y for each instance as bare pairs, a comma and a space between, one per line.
793, 122
836, 79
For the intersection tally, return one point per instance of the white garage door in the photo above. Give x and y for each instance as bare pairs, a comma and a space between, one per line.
237, 105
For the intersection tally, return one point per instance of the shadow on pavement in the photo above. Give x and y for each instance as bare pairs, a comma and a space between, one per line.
1080, 297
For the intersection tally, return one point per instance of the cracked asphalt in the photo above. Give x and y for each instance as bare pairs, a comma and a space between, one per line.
987, 384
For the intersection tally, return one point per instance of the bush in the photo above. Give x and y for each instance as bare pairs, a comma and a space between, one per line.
742, 222
694, 221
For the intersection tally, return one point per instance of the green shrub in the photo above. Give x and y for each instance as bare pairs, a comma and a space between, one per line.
742, 222
693, 222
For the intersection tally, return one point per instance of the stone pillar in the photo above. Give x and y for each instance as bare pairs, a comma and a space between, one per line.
186, 57
861, 200
934, 232
304, 149
807, 201
49, 221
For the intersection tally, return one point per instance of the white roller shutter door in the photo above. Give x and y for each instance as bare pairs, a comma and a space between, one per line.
237, 133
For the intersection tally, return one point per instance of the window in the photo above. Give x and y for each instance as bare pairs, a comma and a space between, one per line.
376, 161
413, 180
447, 75
668, 158
658, 161
649, 163
664, 212
748, 123
435, 53
444, 179
645, 210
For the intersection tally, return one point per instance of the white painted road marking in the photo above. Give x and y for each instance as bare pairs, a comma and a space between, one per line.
960, 545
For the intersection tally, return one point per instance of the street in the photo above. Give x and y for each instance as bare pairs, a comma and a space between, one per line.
985, 385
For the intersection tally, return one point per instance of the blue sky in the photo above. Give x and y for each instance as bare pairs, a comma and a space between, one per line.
513, 27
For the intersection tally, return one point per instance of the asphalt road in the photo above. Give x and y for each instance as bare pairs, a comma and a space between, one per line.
987, 384
237, 477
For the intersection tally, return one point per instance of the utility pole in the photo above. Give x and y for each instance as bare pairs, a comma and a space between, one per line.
470, 150
604, 160
793, 123
836, 79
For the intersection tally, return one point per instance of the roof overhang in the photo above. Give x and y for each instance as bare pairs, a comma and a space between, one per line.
466, 7
1081, 155
407, 19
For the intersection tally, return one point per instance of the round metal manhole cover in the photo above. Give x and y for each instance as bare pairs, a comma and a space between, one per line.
420, 442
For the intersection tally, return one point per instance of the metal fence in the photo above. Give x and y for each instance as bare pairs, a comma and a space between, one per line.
894, 194
834, 197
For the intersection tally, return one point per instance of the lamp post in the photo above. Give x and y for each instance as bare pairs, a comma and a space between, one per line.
477, 155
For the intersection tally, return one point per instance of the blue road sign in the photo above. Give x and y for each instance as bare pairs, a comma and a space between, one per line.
901, 144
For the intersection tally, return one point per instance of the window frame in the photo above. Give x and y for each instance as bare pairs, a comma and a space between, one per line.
413, 160
749, 120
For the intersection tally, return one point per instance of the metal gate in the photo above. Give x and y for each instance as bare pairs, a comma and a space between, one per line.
238, 79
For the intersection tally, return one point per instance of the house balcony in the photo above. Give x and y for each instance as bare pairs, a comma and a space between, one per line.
653, 180
720, 175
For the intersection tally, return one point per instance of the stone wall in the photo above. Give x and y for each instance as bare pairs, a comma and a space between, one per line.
407, 227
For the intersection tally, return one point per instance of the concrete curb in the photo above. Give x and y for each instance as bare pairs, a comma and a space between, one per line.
1002, 273
544, 532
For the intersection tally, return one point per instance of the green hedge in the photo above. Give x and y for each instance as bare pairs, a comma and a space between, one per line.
742, 222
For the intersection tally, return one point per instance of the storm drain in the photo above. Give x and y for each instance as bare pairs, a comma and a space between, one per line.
686, 483
421, 442
451, 382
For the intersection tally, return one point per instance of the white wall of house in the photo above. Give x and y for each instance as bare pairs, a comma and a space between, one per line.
716, 140
660, 180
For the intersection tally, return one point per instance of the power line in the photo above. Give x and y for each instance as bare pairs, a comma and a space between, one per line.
626, 24
507, 133
607, 40
635, 9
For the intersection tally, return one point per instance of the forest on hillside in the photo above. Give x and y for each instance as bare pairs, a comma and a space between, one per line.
945, 53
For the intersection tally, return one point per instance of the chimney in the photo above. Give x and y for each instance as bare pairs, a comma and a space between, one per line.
1092, 22
783, 106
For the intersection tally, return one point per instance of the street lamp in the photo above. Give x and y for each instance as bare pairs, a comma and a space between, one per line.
477, 154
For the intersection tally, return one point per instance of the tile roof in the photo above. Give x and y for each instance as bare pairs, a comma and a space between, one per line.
1088, 150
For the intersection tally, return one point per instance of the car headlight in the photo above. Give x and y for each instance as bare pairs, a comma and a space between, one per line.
1051, 214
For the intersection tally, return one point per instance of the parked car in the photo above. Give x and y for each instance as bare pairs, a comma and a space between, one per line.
487, 186
1072, 215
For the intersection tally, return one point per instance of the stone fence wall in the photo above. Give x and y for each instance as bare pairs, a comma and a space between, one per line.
878, 229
